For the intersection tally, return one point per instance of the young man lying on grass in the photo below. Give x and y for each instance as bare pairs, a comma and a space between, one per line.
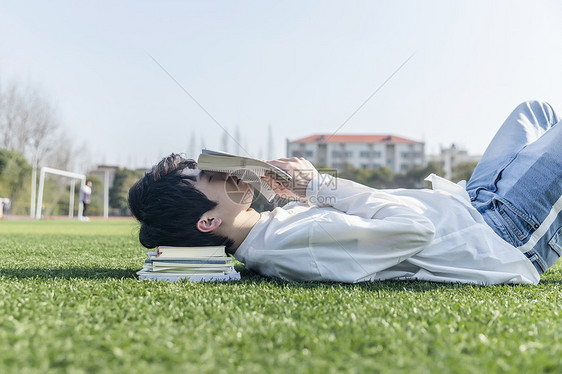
505, 226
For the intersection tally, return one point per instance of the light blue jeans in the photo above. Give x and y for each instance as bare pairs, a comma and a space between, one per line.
517, 185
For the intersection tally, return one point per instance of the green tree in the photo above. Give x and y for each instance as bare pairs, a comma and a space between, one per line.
15, 178
463, 171
380, 178
377, 178
414, 178
118, 193
96, 206
384, 178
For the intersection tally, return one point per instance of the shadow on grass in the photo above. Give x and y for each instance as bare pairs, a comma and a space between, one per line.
248, 277
68, 273
551, 281
395, 285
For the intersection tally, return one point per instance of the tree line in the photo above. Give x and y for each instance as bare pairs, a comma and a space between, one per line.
32, 136
413, 178
30, 125
16, 179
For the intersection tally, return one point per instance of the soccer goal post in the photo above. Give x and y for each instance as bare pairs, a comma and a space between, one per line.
64, 173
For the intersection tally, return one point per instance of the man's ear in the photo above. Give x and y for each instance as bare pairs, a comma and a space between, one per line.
208, 224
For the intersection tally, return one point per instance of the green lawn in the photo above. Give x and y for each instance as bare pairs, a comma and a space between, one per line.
70, 302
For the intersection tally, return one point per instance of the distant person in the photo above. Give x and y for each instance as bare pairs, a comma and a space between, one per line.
504, 226
85, 197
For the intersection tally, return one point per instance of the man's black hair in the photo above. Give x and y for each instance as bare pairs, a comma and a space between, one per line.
168, 206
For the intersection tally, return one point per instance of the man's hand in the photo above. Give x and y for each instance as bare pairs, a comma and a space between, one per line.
301, 172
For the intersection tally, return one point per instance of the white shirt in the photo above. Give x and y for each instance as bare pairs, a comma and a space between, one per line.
85, 193
369, 234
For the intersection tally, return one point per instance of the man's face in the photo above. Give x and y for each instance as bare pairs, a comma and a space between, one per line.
232, 194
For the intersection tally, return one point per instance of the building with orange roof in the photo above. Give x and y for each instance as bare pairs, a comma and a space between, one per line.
367, 151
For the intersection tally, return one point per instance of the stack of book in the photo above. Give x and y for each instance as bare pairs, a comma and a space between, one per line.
192, 263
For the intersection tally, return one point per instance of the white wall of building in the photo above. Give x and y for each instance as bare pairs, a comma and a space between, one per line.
397, 156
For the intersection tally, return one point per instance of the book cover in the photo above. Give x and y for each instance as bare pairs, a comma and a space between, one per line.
176, 270
191, 252
178, 265
145, 274
185, 260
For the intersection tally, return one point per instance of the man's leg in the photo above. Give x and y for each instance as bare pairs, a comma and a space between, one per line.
517, 186
527, 123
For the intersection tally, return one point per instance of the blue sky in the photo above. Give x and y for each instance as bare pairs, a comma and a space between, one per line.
299, 67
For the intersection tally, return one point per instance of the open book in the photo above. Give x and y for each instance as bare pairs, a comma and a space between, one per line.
250, 170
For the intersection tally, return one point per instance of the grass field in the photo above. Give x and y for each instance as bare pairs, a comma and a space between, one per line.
70, 303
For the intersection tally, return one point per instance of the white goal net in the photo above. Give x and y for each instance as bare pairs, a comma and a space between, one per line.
73, 176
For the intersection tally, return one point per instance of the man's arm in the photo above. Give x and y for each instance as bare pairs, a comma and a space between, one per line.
384, 227
351, 197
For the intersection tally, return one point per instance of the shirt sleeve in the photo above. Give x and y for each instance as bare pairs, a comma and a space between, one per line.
359, 200
397, 226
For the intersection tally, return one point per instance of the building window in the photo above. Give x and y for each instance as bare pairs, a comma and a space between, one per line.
373, 166
308, 154
341, 154
370, 154
296, 154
